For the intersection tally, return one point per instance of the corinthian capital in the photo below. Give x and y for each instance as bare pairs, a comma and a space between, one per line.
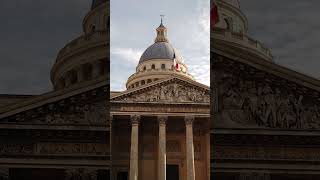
189, 120
162, 120
135, 119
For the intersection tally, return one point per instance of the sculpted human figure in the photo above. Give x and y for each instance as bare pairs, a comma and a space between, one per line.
270, 105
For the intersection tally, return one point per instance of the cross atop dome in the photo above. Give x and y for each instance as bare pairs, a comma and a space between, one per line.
161, 19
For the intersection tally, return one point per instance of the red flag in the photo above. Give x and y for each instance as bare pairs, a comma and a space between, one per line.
214, 15
175, 64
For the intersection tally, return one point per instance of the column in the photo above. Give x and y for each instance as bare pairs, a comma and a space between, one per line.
135, 119
189, 145
162, 148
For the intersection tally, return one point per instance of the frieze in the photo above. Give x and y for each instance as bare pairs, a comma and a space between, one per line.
260, 102
161, 108
72, 148
54, 149
169, 93
81, 174
265, 153
88, 108
6, 148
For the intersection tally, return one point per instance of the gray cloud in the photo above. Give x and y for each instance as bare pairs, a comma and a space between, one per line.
290, 28
31, 33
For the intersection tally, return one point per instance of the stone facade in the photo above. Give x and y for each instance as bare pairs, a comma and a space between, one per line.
264, 116
65, 133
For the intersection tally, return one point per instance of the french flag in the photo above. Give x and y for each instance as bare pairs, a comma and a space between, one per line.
214, 15
175, 63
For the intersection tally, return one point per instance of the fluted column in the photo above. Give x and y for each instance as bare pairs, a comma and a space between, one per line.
190, 150
135, 119
162, 148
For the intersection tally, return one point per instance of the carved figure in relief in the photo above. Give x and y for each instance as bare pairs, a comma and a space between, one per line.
170, 93
248, 102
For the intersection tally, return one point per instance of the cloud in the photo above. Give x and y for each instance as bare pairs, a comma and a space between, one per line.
127, 54
290, 28
134, 27
32, 32
198, 54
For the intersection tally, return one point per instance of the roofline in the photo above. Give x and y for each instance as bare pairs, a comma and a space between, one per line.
275, 69
160, 81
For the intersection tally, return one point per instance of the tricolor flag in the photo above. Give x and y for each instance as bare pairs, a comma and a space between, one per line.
214, 16
176, 65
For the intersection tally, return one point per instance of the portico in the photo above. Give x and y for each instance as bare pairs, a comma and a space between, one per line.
156, 142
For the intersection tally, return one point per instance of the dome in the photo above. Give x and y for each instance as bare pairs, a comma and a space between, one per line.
234, 3
161, 50
96, 3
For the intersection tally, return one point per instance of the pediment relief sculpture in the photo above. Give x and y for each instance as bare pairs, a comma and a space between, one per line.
173, 92
262, 104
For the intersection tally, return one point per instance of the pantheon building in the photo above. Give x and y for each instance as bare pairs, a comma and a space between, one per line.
160, 123
63, 134
266, 117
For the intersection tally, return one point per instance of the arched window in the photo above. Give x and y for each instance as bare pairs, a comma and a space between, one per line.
156, 79
143, 82
93, 28
137, 84
153, 66
144, 68
163, 66
227, 24
149, 81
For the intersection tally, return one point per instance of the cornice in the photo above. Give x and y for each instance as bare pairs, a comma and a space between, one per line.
55, 96
272, 68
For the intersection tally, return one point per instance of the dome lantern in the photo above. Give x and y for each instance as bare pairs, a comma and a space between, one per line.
161, 33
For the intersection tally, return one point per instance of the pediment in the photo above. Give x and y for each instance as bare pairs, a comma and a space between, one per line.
172, 90
84, 106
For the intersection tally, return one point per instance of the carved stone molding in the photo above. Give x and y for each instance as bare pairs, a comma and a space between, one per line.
135, 119
88, 108
254, 176
162, 120
175, 92
80, 174
189, 120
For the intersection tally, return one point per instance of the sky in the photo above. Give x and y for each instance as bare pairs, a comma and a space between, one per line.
133, 30
33, 31
31, 34
291, 28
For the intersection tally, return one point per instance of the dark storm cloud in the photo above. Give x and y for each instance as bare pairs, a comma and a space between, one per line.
31, 34
291, 28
